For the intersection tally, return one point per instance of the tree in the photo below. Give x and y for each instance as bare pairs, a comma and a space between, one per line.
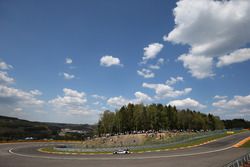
157, 117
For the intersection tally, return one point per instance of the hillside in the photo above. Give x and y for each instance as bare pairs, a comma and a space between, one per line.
18, 129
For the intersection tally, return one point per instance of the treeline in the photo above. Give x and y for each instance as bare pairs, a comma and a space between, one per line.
138, 117
236, 123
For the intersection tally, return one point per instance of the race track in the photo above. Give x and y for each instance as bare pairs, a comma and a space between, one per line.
214, 154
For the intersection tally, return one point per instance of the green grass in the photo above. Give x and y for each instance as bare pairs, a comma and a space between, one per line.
187, 144
247, 144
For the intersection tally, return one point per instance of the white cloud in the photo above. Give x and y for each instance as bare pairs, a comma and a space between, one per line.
154, 67
245, 110
199, 66
173, 80
36, 92
5, 79
238, 107
77, 111
238, 102
160, 61
97, 103
141, 97
166, 91
221, 103
68, 76
158, 64
14, 101
68, 61
146, 73
151, 51
72, 103
18, 109
73, 93
220, 97
120, 101
4, 66
99, 97
70, 98
187, 103
10, 96
237, 56
211, 29
108, 61
117, 101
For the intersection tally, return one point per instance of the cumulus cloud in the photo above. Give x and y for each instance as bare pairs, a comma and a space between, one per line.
166, 90
173, 80
221, 103
117, 101
151, 51
71, 98
108, 61
237, 56
238, 106
13, 96
120, 101
187, 103
36, 92
68, 61
97, 103
146, 73
68, 76
158, 64
141, 97
18, 109
238, 102
14, 101
199, 66
211, 29
220, 97
5, 79
72, 103
5, 66
99, 97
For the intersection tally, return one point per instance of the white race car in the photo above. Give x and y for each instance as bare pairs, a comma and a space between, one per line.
124, 151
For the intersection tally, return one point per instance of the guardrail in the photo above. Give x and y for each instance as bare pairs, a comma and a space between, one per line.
243, 161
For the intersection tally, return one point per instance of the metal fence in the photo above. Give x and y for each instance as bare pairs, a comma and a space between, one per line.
240, 162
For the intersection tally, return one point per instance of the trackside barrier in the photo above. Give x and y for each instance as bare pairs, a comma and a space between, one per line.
243, 161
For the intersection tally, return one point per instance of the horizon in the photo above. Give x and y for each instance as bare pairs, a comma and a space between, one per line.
67, 62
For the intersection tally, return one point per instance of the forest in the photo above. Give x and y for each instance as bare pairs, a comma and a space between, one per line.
18, 129
138, 117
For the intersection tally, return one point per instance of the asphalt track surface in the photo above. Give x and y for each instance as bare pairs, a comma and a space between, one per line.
214, 154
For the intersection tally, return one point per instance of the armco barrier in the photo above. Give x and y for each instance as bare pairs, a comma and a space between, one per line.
243, 161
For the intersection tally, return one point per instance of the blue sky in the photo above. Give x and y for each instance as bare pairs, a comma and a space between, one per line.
68, 61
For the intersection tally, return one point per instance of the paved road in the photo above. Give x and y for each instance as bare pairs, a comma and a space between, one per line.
214, 154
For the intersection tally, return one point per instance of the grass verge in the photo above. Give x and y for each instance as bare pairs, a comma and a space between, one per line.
246, 145
192, 143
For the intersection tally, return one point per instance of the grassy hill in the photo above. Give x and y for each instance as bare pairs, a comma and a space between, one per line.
18, 129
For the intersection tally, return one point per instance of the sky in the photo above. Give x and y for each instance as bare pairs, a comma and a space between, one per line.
68, 61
